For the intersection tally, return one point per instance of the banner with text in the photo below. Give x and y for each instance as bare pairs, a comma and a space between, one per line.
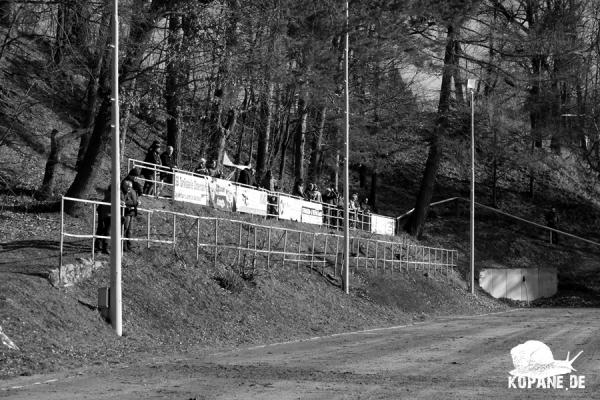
382, 225
222, 194
251, 201
190, 188
312, 213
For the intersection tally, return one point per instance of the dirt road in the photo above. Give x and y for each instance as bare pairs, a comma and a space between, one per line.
448, 358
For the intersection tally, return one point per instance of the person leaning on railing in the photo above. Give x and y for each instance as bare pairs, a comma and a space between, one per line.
149, 173
201, 169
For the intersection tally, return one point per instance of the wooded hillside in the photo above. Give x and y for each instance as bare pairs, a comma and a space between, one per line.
263, 80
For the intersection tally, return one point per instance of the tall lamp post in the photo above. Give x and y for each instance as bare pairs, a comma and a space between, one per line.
346, 163
115, 197
471, 86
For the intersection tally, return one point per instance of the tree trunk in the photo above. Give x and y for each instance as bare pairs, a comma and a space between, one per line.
416, 222
317, 147
53, 160
264, 137
300, 139
100, 137
173, 81
99, 140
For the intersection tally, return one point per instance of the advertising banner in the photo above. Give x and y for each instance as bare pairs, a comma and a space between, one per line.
312, 213
222, 194
190, 188
290, 208
382, 225
251, 201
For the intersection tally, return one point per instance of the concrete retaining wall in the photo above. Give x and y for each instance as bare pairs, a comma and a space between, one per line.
523, 284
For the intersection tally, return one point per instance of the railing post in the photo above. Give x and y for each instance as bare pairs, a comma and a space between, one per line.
93, 233
299, 251
376, 255
62, 232
393, 257
240, 248
197, 239
285, 235
312, 256
174, 229
216, 241
367, 256
337, 250
148, 229
269, 249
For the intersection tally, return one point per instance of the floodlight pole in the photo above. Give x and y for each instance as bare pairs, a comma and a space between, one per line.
115, 197
346, 164
471, 84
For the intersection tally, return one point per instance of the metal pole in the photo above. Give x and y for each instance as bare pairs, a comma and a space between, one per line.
62, 237
93, 233
269, 249
174, 229
115, 216
216, 240
148, 229
197, 239
346, 164
472, 191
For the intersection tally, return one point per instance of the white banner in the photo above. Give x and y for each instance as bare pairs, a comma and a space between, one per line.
222, 194
190, 188
382, 225
312, 213
290, 208
251, 201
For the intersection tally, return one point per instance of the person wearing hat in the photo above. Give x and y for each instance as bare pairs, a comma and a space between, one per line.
201, 168
133, 176
149, 173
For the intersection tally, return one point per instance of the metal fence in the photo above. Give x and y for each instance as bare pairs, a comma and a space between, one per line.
250, 246
160, 179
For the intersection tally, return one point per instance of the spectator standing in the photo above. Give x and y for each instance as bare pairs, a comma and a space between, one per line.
268, 183
353, 208
201, 168
103, 223
133, 176
167, 159
130, 201
552, 220
299, 189
331, 198
246, 176
213, 171
149, 173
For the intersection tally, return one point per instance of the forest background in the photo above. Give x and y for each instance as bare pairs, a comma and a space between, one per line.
263, 81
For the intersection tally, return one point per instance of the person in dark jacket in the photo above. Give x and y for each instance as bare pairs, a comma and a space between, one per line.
247, 177
101, 244
149, 173
168, 160
299, 189
330, 212
130, 202
133, 176
213, 171
201, 168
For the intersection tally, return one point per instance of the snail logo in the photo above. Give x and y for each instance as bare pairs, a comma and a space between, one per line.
535, 367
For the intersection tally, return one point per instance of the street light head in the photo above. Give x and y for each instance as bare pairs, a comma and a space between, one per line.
471, 84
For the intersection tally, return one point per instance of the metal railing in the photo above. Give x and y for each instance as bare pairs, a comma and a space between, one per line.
497, 211
250, 246
332, 213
